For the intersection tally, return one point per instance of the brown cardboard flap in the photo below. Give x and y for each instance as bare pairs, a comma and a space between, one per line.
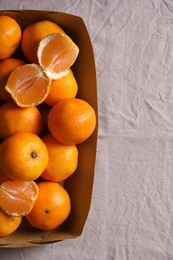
80, 184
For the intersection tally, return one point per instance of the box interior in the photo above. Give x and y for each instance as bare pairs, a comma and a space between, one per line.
80, 184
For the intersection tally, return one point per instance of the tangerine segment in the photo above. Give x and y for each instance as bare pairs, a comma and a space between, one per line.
18, 197
56, 54
8, 224
24, 156
28, 85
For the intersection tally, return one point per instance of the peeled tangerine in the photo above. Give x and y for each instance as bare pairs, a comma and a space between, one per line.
56, 54
18, 197
28, 85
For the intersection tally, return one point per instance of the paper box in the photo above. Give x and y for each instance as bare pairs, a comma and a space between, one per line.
80, 184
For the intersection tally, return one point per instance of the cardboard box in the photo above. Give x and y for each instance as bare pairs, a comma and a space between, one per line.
80, 184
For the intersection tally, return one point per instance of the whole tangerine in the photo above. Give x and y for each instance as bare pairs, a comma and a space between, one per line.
24, 156
7, 66
65, 87
72, 121
33, 34
63, 160
51, 208
10, 36
18, 119
8, 224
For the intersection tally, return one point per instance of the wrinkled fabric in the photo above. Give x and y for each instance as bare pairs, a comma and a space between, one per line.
131, 214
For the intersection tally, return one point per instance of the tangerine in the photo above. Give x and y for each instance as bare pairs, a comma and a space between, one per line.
56, 54
18, 197
28, 85
72, 121
24, 156
8, 224
63, 160
33, 34
6, 68
65, 87
51, 208
18, 119
10, 36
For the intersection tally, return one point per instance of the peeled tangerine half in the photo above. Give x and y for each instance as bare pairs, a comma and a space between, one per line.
28, 85
56, 54
17, 198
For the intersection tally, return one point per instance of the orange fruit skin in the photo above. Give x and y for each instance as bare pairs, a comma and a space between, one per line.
8, 224
63, 160
65, 87
71, 121
6, 67
33, 34
24, 156
51, 208
10, 36
16, 119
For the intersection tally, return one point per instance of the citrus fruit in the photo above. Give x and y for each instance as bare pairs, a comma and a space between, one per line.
33, 34
24, 156
8, 224
6, 67
65, 87
71, 121
10, 36
18, 197
28, 85
14, 119
51, 208
56, 54
63, 160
